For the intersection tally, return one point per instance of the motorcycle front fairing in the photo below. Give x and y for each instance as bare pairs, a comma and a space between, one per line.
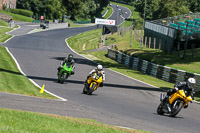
96, 78
180, 95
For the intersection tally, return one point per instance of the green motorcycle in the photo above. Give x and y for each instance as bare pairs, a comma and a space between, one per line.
64, 73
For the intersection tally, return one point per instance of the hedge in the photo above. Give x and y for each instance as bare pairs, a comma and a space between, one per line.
21, 12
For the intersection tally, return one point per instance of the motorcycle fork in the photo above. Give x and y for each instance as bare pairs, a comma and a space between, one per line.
168, 107
60, 74
174, 104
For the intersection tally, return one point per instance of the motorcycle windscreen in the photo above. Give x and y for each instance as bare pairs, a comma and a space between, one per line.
99, 78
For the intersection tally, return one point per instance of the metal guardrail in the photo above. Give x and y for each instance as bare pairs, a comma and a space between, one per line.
36, 21
162, 72
82, 22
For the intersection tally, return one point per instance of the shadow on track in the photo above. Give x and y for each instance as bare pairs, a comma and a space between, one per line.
78, 61
165, 115
105, 84
81, 82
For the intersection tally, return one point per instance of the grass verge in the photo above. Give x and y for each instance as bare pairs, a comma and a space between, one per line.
109, 12
12, 81
3, 30
86, 41
3, 23
3, 36
17, 17
23, 121
188, 64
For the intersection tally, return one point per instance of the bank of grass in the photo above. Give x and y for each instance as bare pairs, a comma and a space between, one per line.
85, 41
23, 121
3, 36
17, 17
156, 56
3, 23
12, 81
3, 30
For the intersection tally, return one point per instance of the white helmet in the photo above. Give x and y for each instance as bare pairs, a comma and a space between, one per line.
99, 67
191, 82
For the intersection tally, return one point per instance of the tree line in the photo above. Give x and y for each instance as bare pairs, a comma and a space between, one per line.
55, 9
157, 9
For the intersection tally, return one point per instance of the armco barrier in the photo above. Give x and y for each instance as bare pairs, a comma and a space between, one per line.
162, 72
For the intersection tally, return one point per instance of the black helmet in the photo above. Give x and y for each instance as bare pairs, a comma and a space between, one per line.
70, 57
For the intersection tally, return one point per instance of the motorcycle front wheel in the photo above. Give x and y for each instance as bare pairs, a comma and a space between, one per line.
91, 89
177, 108
63, 78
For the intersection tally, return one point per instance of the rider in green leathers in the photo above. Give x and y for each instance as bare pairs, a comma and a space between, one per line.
70, 60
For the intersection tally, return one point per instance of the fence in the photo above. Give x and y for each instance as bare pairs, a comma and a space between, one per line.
162, 72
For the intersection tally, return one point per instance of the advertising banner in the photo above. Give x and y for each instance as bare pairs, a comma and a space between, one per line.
104, 21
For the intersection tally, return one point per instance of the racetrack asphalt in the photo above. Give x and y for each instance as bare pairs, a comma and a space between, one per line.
122, 101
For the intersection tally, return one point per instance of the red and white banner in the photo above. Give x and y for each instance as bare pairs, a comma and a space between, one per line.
104, 21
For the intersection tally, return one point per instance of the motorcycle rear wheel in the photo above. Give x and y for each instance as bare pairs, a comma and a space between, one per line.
84, 90
159, 109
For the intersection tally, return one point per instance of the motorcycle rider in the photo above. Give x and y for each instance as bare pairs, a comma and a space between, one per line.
99, 69
187, 86
68, 59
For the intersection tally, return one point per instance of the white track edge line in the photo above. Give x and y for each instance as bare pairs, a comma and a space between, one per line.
18, 66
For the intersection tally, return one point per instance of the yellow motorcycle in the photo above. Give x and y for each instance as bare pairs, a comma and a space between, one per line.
173, 106
92, 83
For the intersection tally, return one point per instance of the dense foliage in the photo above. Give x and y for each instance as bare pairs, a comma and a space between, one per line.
157, 9
55, 9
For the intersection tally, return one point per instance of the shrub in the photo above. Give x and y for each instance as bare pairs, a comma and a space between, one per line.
22, 12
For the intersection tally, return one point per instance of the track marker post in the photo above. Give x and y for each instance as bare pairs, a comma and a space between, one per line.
42, 89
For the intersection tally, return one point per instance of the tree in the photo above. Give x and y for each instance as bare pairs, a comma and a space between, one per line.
73, 7
88, 10
77, 9
157, 9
